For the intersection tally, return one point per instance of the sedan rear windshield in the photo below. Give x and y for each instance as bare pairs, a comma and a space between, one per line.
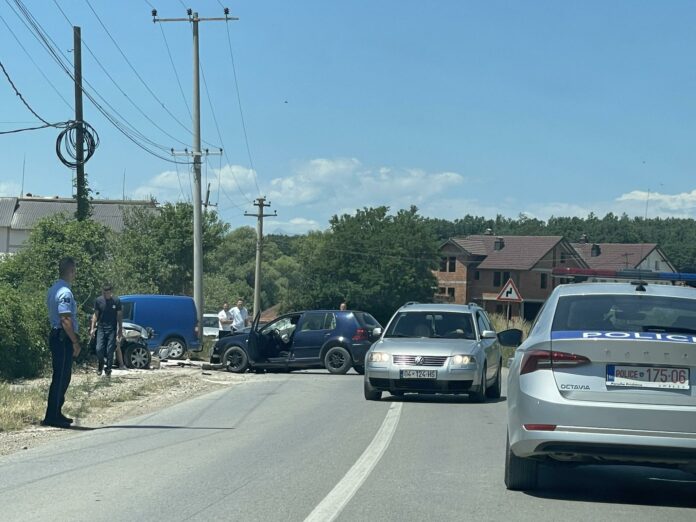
366, 320
450, 325
625, 313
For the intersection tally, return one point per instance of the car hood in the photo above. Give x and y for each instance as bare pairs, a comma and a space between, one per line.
425, 346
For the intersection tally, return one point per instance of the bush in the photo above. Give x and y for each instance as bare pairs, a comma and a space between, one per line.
23, 333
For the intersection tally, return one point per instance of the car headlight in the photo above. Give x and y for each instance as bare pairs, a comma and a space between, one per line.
463, 359
379, 357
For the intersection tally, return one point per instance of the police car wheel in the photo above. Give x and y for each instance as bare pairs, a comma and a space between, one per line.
520, 474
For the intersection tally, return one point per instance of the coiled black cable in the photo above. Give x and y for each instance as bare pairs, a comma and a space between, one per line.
66, 143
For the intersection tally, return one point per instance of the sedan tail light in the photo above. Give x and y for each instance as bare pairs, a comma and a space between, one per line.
539, 427
545, 359
360, 335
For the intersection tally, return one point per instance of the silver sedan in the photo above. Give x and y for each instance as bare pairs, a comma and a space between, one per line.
435, 348
605, 376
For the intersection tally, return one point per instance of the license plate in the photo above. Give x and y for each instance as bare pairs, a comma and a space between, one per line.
419, 374
648, 377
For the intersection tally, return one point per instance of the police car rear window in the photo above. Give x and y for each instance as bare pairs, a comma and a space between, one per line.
625, 313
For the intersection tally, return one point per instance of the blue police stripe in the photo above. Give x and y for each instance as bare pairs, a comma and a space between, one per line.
566, 335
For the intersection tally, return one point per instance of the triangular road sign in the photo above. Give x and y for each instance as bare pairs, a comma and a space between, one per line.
510, 293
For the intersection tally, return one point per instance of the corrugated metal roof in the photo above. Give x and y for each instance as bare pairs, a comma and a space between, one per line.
7, 206
108, 213
614, 256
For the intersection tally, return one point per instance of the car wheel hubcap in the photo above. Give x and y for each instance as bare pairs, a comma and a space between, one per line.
175, 349
234, 360
336, 360
139, 358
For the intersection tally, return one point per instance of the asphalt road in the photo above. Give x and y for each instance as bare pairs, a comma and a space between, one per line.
308, 446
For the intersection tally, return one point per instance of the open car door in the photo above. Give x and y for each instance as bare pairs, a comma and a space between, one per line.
253, 341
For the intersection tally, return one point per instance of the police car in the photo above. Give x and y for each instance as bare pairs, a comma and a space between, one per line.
606, 375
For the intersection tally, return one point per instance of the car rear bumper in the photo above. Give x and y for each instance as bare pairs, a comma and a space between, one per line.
595, 430
358, 352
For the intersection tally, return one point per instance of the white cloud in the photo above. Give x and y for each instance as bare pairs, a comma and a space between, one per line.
9, 188
684, 202
292, 226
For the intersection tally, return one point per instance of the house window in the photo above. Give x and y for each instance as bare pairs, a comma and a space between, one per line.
450, 292
452, 264
544, 280
496, 279
477, 275
443, 264
442, 290
506, 277
657, 265
563, 257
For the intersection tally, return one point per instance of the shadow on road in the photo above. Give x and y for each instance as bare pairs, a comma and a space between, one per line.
617, 485
439, 399
159, 427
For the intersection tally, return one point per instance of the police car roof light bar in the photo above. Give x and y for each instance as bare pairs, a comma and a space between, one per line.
628, 273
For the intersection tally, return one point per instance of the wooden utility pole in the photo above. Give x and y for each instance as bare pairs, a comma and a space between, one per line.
261, 204
80, 185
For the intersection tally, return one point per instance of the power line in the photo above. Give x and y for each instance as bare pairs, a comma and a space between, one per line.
19, 94
241, 112
40, 34
19, 42
217, 128
137, 74
176, 74
116, 84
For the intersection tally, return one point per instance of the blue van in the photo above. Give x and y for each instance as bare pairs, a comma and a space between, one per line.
172, 317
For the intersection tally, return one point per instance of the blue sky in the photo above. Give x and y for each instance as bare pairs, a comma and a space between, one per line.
544, 108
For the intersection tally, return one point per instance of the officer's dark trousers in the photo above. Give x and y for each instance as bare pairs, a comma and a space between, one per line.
106, 346
61, 358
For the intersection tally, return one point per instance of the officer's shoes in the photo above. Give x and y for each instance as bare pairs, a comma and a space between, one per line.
55, 423
63, 418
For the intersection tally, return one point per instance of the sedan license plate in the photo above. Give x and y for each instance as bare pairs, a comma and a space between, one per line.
648, 377
419, 374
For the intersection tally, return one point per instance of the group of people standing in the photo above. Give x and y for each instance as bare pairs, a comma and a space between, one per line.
232, 320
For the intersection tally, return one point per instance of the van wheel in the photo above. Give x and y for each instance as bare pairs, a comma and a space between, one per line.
137, 356
235, 360
337, 360
176, 348
520, 474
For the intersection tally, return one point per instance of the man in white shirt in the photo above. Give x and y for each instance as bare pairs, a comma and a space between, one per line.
240, 316
225, 320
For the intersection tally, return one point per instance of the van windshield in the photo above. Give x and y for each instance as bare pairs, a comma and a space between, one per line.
625, 313
127, 309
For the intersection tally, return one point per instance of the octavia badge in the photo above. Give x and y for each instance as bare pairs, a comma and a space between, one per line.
418, 360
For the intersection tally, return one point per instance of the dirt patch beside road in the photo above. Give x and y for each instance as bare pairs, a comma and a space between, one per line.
96, 401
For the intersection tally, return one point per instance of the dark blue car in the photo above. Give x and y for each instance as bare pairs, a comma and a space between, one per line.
331, 339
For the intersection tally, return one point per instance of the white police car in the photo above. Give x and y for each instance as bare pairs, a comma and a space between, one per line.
606, 375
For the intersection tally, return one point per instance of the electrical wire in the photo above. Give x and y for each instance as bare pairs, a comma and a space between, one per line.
217, 128
19, 42
137, 74
239, 103
66, 143
118, 86
176, 74
50, 46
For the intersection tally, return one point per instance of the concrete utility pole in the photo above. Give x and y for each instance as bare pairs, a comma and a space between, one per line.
261, 203
194, 19
80, 187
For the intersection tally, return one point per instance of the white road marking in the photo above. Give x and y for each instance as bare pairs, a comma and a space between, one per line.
337, 499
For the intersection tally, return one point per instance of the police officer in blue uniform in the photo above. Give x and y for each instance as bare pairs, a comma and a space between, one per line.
63, 342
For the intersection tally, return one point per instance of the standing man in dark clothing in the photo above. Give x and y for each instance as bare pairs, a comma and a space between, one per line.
107, 322
63, 342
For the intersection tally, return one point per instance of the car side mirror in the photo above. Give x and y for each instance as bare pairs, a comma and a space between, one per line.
488, 334
511, 337
377, 332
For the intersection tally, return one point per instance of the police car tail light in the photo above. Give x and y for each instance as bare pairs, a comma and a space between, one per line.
545, 359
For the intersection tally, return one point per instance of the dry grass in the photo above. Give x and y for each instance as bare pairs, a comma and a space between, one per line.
25, 404
500, 323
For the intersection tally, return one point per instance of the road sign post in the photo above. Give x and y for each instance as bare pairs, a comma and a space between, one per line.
509, 294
